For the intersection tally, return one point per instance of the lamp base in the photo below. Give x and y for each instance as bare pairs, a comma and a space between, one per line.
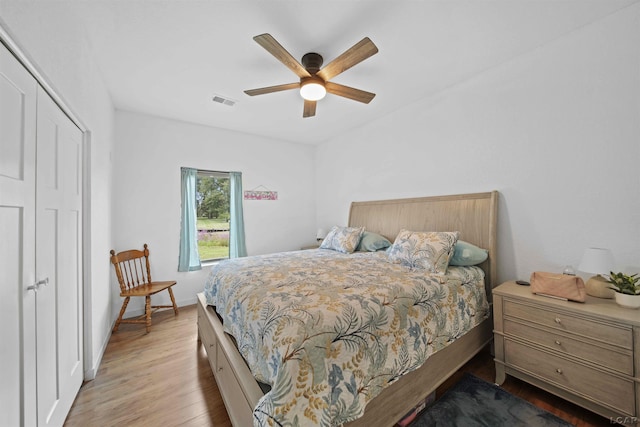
598, 287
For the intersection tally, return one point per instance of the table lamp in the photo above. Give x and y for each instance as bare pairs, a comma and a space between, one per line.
597, 261
320, 235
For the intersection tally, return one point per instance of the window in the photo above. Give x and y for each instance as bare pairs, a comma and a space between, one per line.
211, 217
213, 213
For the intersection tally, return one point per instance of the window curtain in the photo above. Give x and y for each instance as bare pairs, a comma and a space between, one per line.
188, 259
237, 247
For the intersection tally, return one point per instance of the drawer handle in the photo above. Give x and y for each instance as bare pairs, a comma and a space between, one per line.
558, 320
558, 370
558, 342
220, 369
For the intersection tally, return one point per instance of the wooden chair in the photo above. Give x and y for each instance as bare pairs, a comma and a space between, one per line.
135, 281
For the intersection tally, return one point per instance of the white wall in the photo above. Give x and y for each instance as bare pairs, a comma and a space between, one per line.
149, 152
556, 131
63, 55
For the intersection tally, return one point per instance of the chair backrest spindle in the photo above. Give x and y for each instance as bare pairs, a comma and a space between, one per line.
146, 256
128, 274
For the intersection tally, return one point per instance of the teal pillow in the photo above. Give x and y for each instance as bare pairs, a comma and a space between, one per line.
371, 242
464, 253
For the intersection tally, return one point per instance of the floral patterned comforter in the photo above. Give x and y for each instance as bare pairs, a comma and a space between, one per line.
328, 331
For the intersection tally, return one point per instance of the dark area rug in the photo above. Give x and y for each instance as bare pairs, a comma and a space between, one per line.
475, 402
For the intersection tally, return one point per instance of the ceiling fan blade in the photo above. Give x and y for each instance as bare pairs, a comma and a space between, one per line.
352, 56
309, 108
274, 48
271, 89
349, 92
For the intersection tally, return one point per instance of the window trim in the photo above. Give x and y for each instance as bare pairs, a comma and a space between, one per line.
213, 174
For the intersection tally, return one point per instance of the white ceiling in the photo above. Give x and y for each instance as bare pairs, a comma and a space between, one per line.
169, 58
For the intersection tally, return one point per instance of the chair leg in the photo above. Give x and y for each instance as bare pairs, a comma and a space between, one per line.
173, 301
122, 310
147, 311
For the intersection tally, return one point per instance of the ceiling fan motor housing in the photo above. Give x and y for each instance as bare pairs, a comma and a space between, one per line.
312, 62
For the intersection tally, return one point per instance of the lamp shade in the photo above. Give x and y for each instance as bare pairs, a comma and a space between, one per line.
596, 261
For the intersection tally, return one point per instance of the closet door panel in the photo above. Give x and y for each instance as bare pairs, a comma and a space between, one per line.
17, 250
70, 248
11, 313
48, 376
48, 203
58, 260
11, 117
69, 341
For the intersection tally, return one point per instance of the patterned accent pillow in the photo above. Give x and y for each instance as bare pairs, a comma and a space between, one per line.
429, 251
343, 239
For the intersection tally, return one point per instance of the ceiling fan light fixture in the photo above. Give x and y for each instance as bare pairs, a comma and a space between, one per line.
312, 88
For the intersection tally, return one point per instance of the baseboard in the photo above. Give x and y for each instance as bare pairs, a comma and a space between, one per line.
91, 373
140, 311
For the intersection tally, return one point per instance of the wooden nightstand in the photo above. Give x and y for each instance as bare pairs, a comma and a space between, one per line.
587, 353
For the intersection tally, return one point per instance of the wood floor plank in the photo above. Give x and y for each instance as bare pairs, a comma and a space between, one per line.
163, 378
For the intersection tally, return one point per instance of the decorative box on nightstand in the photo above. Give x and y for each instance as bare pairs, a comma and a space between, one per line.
587, 353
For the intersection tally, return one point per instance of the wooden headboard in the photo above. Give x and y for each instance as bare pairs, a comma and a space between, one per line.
473, 215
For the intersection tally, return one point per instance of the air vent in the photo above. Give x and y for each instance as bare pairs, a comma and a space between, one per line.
225, 101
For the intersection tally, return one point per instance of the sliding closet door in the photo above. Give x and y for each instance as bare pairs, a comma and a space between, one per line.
58, 262
17, 238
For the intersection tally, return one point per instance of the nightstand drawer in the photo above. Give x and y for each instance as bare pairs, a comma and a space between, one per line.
608, 333
572, 376
618, 359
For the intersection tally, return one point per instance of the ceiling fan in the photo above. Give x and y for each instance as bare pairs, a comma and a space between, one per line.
314, 81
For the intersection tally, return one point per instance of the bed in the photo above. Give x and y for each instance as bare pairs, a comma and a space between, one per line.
472, 215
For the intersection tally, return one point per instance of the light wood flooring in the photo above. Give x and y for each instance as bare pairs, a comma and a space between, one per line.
163, 379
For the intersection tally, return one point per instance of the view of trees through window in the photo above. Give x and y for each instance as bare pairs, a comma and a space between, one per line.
212, 199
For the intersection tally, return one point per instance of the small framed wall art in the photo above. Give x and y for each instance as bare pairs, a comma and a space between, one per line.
260, 193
